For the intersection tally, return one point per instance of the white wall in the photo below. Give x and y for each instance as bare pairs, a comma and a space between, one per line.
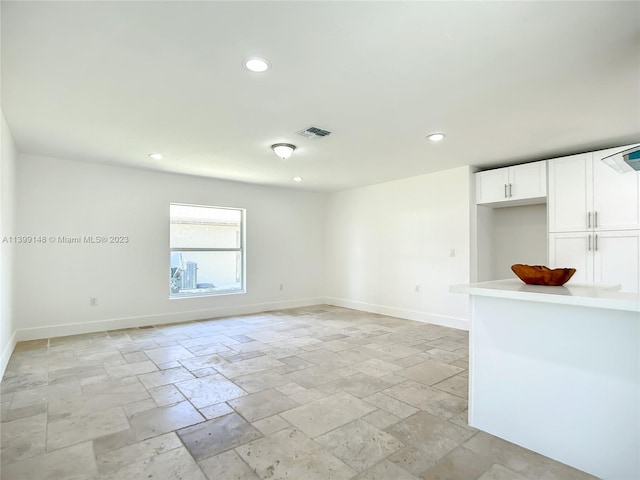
509, 235
483, 250
285, 245
8, 160
519, 236
385, 239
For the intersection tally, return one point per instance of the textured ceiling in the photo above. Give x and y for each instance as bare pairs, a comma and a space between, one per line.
507, 82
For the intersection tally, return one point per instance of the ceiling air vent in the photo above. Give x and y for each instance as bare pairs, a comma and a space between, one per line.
314, 132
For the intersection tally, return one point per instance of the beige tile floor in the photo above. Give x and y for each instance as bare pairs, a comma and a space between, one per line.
311, 393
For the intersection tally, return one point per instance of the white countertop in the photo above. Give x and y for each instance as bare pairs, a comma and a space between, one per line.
580, 295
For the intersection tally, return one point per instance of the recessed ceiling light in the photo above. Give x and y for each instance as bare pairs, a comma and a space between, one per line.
256, 64
435, 137
156, 156
297, 179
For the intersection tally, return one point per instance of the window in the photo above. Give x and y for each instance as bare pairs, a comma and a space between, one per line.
207, 250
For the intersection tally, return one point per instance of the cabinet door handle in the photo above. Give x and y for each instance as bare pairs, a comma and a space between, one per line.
588, 219
510, 193
505, 190
596, 242
595, 220
589, 247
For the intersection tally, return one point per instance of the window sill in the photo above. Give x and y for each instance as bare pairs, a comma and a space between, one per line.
204, 292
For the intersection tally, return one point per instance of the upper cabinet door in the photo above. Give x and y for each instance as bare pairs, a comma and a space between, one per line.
509, 186
528, 181
616, 196
569, 203
492, 186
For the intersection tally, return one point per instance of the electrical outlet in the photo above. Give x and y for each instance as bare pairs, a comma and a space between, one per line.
452, 252
417, 289
281, 286
93, 301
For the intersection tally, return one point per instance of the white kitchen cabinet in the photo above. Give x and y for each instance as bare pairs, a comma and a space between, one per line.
616, 259
616, 196
509, 186
587, 195
602, 258
492, 186
572, 250
567, 205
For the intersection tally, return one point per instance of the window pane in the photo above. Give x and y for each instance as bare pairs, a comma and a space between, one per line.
205, 272
205, 227
191, 235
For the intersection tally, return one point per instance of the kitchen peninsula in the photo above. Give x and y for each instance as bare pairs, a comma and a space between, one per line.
557, 370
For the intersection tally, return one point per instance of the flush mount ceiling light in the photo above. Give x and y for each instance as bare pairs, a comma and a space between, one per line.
297, 179
256, 64
156, 156
435, 137
283, 150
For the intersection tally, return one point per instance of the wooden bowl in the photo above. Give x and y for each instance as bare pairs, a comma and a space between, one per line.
541, 275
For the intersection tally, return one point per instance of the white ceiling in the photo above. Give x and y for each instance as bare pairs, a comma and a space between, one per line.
507, 82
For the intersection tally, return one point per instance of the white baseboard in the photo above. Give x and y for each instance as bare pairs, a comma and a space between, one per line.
425, 317
6, 353
62, 330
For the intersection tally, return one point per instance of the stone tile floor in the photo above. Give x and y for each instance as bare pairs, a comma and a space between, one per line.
311, 393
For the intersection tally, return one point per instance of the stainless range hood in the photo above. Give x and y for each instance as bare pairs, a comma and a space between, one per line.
627, 160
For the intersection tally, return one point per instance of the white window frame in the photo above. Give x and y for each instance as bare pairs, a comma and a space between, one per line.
241, 249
